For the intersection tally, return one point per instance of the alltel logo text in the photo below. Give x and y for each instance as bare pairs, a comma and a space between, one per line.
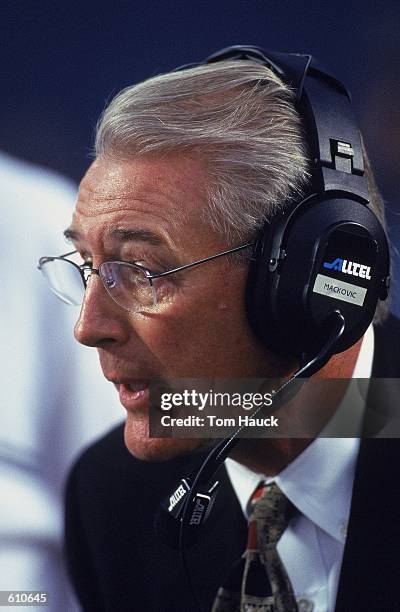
349, 267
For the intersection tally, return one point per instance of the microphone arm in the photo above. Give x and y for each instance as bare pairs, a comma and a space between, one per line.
222, 449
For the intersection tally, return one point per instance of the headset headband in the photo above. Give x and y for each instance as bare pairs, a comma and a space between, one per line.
334, 140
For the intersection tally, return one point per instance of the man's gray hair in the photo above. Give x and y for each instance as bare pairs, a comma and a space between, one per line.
239, 119
237, 116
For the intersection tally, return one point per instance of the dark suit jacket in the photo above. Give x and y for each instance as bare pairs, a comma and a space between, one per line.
118, 564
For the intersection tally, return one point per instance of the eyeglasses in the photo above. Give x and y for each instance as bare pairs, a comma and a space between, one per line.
132, 286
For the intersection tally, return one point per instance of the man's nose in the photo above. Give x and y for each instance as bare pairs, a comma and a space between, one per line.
101, 321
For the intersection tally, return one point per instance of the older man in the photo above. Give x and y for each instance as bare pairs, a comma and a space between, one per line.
189, 167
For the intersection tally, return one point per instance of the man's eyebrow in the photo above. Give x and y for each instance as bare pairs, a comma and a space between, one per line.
142, 235
71, 234
124, 235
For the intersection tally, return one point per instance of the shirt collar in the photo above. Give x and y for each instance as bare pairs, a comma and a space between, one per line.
363, 367
319, 481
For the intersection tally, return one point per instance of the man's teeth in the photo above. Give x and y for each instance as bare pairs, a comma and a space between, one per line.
139, 386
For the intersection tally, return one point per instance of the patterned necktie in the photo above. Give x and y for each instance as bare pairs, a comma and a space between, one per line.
259, 582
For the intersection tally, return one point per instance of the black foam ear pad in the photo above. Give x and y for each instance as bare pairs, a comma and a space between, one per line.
328, 254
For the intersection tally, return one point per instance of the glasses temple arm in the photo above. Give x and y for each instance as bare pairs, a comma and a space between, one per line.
200, 261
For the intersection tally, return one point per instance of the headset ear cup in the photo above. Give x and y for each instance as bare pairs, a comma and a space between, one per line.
261, 282
291, 294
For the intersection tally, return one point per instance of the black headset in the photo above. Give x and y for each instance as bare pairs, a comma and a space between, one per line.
328, 251
318, 269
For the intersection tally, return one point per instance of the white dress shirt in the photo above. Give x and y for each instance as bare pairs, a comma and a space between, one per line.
319, 483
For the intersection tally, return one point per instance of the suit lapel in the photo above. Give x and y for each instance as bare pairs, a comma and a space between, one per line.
370, 573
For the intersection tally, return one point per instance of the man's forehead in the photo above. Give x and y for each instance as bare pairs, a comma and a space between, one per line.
108, 178
164, 197
170, 182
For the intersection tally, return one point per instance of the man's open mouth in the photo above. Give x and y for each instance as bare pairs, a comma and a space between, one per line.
133, 394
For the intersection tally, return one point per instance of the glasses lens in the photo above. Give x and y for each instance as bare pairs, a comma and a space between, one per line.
65, 280
128, 285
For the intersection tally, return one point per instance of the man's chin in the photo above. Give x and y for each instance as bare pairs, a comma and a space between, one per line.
141, 446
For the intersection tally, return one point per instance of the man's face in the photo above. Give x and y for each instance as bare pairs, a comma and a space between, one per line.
202, 331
